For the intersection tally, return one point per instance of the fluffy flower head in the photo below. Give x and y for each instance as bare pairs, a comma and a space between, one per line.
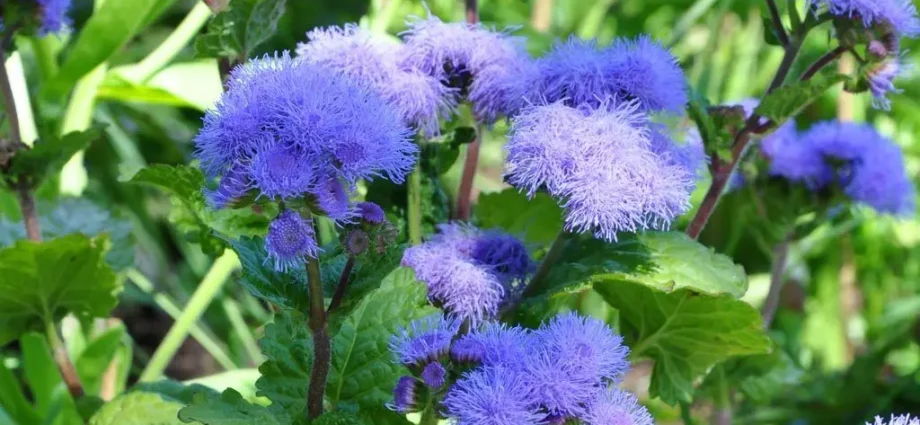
53, 15
587, 343
896, 420
290, 239
494, 344
616, 407
492, 396
646, 72
425, 340
405, 395
900, 15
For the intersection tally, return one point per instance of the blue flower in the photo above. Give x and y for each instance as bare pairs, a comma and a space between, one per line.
588, 344
421, 99
896, 420
575, 71
558, 385
881, 78
371, 212
900, 15
233, 185
405, 395
615, 406
600, 165
494, 345
646, 72
290, 239
53, 15
492, 396
434, 375
294, 130
426, 340
469, 273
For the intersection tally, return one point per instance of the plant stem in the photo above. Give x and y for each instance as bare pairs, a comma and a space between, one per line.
27, 206
467, 180
169, 48
555, 251
722, 413
206, 292
65, 366
197, 330
472, 11
242, 330
342, 287
685, 413
791, 53
414, 205
778, 23
322, 349
9, 103
429, 416
777, 278
824, 61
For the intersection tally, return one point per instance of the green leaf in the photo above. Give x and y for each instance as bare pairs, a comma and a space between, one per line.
95, 359
363, 371
684, 331
286, 289
193, 84
104, 34
237, 31
50, 154
338, 417
787, 101
42, 282
139, 408
52, 400
173, 390
229, 409
537, 220
13, 400
288, 347
78, 215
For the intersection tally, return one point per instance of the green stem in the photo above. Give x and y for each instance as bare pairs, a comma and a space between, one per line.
197, 330
169, 48
46, 50
722, 414
207, 290
685, 413
429, 416
65, 366
242, 331
322, 346
555, 251
414, 206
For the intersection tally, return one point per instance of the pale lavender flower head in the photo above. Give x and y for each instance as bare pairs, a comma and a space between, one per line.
495, 344
357, 54
687, 159
881, 81
405, 395
293, 129
492, 396
290, 239
469, 273
559, 386
588, 344
900, 15
434, 375
53, 15
425, 340
616, 407
896, 420
599, 165
648, 73
371, 212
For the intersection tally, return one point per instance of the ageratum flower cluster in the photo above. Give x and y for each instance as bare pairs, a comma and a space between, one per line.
867, 166
289, 131
566, 370
470, 273
587, 138
896, 420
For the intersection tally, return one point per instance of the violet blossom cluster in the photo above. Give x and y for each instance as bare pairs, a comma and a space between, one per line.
567, 369
50, 16
290, 131
896, 420
470, 273
868, 167
587, 137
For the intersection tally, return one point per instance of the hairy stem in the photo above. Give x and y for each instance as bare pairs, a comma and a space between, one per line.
465, 191
65, 366
824, 61
778, 23
342, 287
27, 206
777, 278
322, 346
555, 251
414, 205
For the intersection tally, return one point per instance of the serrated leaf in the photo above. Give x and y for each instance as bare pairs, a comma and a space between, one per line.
46, 281
51, 153
536, 220
95, 359
78, 215
363, 371
338, 417
229, 409
240, 28
787, 101
139, 408
286, 289
684, 331
288, 348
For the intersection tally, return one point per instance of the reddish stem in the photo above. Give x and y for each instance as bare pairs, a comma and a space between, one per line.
465, 191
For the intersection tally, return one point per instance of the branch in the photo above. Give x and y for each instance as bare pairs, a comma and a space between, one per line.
781, 33
341, 288
823, 61
465, 192
322, 346
27, 206
777, 278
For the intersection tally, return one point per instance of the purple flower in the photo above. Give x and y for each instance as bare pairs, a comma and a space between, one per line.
233, 185
356, 53
616, 407
900, 15
290, 239
592, 348
646, 72
469, 273
434, 375
371, 212
896, 420
881, 78
559, 386
577, 72
294, 129
492, 396
494, 345
405, 395
880, 181
600, 165
53, 15
426, 340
